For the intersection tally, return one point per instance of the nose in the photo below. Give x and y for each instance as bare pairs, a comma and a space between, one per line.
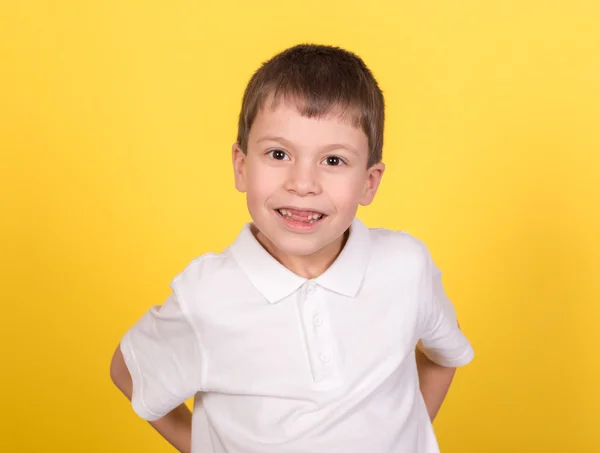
303, 180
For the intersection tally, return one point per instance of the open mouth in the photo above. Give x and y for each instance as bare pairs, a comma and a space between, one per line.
308, 217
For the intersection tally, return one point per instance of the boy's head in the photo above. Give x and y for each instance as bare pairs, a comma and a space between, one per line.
319, 80
309, 147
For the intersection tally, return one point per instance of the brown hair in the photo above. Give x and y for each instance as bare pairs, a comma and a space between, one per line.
320, 79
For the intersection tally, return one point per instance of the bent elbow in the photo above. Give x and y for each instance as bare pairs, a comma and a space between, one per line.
119, 374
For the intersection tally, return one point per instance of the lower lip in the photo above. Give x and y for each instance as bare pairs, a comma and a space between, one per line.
299, 226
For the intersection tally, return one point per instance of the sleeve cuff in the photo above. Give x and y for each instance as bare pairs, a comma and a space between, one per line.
465, 358
137, 380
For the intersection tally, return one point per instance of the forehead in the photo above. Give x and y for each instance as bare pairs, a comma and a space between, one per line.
290, 120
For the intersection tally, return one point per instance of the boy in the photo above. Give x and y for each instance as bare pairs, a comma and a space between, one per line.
305, 335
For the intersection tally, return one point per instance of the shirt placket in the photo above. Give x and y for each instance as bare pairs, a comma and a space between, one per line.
320, 341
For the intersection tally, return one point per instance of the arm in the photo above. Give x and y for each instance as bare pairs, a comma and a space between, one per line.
442, 345
175, 427
434, 381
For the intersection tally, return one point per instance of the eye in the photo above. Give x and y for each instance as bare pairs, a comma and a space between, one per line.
333, 161
278, 154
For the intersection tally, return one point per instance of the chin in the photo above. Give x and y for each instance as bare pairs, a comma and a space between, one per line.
290, 244
297, 246
296, 243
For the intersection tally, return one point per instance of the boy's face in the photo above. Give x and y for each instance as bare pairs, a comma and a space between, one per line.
304, 179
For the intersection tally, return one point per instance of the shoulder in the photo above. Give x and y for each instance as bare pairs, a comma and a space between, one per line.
205, 276
203, 267
398, 245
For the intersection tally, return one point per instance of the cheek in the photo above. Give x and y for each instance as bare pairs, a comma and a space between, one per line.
347, 191
262, 183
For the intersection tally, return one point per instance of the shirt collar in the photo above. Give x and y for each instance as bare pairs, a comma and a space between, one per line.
275, 282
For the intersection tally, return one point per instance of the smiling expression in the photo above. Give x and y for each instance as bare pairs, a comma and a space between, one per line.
304, 179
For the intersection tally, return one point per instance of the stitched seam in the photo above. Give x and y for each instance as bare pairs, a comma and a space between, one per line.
138, 390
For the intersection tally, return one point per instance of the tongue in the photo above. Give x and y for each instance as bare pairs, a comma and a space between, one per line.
299, 216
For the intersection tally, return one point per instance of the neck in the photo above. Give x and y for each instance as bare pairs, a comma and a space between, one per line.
308, 266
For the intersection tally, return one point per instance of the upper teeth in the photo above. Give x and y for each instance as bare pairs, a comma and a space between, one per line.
287, 213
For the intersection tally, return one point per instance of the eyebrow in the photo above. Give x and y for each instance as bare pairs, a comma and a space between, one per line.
330, 147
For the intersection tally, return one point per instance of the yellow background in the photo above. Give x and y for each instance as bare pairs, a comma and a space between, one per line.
116, 121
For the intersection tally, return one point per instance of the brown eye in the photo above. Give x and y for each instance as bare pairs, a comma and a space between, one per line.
278, 154
334, 161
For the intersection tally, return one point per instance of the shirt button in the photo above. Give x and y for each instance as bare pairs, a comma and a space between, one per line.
311, 288
318, 321
325, 357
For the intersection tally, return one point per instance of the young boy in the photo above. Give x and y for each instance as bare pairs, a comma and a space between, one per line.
311, 333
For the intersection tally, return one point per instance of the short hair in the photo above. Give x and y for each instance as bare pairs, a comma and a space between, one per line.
321, 80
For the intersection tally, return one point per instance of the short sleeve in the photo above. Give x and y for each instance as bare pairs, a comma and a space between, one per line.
163, 355
441, 339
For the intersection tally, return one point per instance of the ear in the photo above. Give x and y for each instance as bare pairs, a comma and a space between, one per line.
238, 159
374, 175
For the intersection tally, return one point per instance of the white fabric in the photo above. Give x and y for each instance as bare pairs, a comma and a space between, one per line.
283, 364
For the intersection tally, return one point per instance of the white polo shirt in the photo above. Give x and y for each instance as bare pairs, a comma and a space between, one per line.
283, 364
